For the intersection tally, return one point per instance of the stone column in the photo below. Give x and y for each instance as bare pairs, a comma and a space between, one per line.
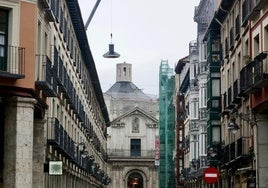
39, 143
18, 147
262, 150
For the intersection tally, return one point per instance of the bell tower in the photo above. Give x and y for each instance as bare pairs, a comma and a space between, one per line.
123, 72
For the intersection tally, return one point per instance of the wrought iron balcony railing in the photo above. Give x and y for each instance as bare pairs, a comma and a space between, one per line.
12, 62
58, 137
236, 151
236, 97
254, 75
127, 153
250, 8
50, 7
45, 80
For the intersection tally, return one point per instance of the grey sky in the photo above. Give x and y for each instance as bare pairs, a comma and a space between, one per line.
144, 32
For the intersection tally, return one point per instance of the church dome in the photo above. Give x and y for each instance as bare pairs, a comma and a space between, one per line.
124, 89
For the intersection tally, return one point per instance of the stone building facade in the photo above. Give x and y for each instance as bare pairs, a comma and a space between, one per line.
53, 118
132, 134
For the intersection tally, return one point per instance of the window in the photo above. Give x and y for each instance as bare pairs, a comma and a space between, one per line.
135, 147
3, 39
125, 71
216, 131
216, 45
216, 87
256, 45
203, 95
195, 110
265, 38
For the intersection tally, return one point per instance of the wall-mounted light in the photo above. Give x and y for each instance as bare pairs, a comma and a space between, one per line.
212, 151
251, 180
82, 150
232, 126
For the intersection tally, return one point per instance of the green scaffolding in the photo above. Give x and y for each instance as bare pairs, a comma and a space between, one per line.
166, 171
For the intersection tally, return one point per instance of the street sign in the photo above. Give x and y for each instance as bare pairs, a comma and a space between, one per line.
211, 175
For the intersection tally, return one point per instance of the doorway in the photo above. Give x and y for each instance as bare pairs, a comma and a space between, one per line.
135, 180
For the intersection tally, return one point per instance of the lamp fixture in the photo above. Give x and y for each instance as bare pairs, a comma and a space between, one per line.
232, 126
111, 53
212, 151
83, 150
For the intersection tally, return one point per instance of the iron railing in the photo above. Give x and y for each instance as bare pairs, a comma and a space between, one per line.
255, 74
127, 153
12, 63
45, 80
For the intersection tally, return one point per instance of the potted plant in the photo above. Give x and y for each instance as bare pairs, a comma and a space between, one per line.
246, 59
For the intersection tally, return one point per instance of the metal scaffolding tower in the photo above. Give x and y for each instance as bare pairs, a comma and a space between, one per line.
166, 126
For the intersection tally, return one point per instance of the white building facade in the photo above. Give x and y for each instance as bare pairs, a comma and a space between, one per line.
133, 131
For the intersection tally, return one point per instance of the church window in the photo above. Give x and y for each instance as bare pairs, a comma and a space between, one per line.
135, 147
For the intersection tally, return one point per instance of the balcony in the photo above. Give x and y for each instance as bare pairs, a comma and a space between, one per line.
13, 64
50, 9
45, 3
237, 152
255, 74
58, 137
45, 79
228, 99
193, 125
194, 85
250, 8
236, 98
203, 113
202, 67
125, 153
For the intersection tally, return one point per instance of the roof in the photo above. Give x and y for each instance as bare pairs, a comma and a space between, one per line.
125, 89
181, 64
80, 32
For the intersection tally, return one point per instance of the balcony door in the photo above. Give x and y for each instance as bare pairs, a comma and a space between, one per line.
3, 39
135, 147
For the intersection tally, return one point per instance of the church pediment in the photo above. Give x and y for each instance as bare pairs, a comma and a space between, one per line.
119, 122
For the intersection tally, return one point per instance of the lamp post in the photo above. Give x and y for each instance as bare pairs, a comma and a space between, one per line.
233, 128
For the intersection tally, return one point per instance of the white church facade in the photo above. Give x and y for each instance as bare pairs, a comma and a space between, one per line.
132, 134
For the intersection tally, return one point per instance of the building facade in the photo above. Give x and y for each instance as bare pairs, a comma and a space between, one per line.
133, 133
243, 35
191, 118
53, 115
192, 110
181, 143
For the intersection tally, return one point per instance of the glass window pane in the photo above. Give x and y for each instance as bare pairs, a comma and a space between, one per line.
215, 87
216, 134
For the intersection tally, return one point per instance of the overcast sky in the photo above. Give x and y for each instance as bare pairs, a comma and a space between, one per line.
144, 33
